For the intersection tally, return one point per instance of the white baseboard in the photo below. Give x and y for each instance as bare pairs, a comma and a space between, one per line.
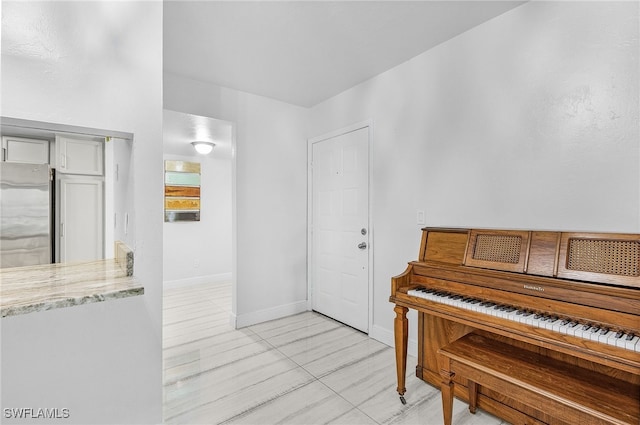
385, 336
233, 320
198, 280
248, 319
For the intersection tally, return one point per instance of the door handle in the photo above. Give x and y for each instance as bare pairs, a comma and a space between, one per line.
362, 245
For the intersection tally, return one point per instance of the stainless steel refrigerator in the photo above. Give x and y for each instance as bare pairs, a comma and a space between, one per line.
25, 214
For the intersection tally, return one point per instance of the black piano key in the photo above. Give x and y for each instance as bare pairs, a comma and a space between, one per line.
573, 324
619, 334
586, 327
604, 331
594, 329
537, 316
553, 319
630, 336
565, 322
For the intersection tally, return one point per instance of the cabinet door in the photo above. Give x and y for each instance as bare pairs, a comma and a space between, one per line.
19, 149
81, 223
77, 156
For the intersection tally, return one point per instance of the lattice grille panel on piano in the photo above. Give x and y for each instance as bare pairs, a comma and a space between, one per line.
604, 256
498, 248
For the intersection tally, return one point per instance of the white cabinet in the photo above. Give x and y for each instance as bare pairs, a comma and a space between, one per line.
20, 149
79, 156
80, 218
80, 198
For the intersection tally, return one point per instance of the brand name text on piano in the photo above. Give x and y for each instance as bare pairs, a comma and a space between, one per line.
534, 288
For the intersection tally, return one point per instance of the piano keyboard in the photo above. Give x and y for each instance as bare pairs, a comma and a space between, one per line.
592, 332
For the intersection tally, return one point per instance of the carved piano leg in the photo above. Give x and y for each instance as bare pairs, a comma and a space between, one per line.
473, 396
401, 329
446, 388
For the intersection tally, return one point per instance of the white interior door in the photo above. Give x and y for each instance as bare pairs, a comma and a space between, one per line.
340, 228
81, 226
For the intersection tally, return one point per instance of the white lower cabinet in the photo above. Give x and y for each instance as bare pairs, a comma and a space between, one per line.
80, 218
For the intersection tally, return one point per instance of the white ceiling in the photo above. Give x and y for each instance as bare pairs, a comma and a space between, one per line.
180, 129
303, 52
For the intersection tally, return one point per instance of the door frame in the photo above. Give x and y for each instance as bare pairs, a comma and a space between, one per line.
310, 142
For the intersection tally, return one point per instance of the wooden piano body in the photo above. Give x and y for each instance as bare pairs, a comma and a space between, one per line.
592, 279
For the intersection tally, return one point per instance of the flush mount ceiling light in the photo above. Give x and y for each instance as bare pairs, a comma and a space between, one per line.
203, 147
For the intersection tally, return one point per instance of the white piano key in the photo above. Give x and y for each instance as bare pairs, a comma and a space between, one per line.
572, 330
603, 337
593, 332
563, 329
620, 342
612, 338
521, 317
511, 316
556, 325
631, 344
547, 324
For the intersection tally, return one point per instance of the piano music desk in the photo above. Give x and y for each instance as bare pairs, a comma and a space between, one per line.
568, 393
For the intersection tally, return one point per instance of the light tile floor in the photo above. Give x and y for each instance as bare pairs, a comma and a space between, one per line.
303, 369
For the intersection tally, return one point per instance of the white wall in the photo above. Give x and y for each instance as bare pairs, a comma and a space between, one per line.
527, 121
270, 202
200, 251
98, 65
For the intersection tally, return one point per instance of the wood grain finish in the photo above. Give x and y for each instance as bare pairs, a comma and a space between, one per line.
182, 203
600, 258
188, 191
543, 255
445, 246
401, 334
539, 282
498, 250
566, 392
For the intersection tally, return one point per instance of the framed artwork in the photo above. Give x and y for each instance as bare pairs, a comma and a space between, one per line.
181, 191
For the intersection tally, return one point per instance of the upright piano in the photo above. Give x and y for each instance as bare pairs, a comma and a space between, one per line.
571, 296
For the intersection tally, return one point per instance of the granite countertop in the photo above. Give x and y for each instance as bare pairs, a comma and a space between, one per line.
38, 288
